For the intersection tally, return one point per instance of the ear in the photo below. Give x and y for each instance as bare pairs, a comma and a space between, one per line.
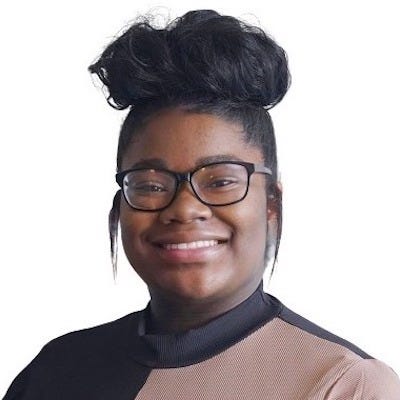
274, 218
274, 202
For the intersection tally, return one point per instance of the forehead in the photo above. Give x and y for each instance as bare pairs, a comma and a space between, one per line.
182, 139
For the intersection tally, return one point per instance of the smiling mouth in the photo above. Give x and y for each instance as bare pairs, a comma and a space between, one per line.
198, 244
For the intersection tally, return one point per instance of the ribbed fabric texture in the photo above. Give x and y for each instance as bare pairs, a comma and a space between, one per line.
278, 361
258, 350
195, 345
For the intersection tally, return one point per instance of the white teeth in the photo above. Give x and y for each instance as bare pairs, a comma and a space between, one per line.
191, 245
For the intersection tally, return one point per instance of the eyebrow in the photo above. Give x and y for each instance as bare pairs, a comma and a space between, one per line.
160, 163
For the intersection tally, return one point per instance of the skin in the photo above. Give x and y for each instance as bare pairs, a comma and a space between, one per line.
187, 293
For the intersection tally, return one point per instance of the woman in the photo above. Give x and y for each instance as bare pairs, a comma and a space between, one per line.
200, 216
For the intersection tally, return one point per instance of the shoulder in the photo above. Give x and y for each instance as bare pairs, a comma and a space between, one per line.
89, 353
365, 379
344, 371
315, 335
91, 346
112, 331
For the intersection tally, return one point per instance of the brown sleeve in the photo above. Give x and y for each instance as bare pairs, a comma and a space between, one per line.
366, 379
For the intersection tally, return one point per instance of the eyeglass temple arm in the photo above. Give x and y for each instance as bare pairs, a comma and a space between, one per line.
262, 168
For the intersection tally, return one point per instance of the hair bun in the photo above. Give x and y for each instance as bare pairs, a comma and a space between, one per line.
201, 53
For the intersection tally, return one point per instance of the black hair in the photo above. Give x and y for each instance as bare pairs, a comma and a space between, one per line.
204, 62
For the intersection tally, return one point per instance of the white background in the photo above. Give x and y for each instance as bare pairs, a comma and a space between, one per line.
338, 138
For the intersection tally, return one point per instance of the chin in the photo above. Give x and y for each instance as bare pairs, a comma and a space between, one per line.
192, 291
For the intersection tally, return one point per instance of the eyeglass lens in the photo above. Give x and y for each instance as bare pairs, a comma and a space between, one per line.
216, 184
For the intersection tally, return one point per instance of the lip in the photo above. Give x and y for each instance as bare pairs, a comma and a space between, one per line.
166, 246
186, 237
186, 256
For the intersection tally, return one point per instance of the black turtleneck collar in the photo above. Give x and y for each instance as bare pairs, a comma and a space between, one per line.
198, 344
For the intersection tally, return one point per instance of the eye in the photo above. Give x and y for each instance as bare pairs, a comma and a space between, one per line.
222, 183
149, 187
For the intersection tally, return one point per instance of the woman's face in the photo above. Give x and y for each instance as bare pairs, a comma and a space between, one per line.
180, 141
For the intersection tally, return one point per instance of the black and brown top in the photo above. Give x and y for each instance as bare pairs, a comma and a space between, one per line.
258, 350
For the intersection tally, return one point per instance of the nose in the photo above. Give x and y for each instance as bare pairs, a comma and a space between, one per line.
185, 207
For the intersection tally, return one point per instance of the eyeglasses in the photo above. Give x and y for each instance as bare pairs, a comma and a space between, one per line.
217, 184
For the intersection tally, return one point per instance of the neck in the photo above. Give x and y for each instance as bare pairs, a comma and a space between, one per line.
167, 317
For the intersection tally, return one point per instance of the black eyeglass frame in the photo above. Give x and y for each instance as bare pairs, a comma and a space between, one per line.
187, 176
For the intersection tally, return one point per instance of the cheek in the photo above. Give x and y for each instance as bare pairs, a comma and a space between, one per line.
249, 219
253, 231
133, 224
